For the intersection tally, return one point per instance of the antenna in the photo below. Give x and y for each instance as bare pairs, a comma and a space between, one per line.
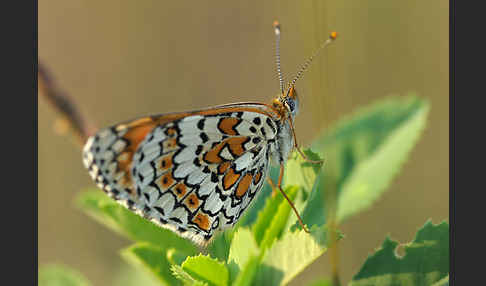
276, 27
329, 40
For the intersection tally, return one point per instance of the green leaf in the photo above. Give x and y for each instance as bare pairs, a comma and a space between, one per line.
371, 177
442, 282
183, 276
123, 221
363, 153
152, 259
321, 282
206, 269
426, 260
288, 256
127, 275
314, 211
273, 218
220, 245
175, 256
60, 275
248, 271
299, 172
280, 218
243, 249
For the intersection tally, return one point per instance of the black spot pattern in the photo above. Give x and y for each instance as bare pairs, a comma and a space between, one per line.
204, 137
200, 124
214, 178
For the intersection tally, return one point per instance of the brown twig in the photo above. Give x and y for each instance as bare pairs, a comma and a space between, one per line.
64, 104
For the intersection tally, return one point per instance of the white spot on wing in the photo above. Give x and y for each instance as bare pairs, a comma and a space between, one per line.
211, 124
225, 153
105, 142
190, 138
118, 146
186, 154
244, 161
150, 151
206, 187
184, 170
213, 203
166, 202
180, 213
196, 177
152, 193
230, 211
244, 128
189, 124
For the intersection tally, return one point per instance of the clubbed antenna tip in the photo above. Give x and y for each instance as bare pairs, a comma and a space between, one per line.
276, 26
332, 37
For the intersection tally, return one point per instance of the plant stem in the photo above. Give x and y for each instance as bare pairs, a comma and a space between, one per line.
333, 253
330, 203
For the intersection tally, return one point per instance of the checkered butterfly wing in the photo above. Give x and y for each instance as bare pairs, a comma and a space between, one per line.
193, 173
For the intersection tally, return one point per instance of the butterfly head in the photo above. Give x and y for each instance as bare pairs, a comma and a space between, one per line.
287, 104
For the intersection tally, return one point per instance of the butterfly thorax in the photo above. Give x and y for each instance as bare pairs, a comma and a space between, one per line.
281, 148
287, 106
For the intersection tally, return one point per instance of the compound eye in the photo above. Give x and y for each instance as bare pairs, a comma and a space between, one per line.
290, 105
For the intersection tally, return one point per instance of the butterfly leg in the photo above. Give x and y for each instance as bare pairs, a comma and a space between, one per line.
296, 146
279, 187
274, 188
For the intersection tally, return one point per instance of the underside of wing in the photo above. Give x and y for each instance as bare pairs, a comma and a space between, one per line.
193, 173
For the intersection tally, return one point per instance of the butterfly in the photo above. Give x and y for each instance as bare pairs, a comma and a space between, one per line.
196, 172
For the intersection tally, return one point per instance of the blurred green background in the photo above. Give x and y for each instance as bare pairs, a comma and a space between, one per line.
124, 59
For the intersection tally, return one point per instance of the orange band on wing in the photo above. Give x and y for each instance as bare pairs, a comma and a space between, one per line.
166, 181
192, 202
135, 134
243, 186
226, 125
166, 162
212, 156
202, 220
179, 190
230, 179
257, 178
223, 167
235, 109
236, 145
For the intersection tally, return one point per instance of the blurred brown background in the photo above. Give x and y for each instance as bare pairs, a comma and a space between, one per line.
124, 59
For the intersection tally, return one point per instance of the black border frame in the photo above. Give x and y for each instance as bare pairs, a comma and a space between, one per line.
19, 140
